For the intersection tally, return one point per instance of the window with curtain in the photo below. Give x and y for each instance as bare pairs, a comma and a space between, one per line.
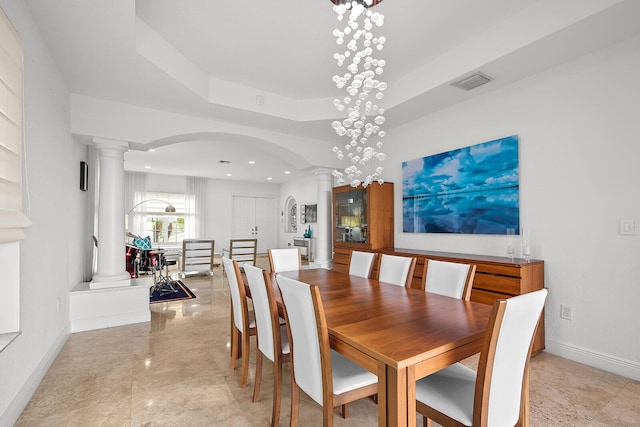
161, 216
135, 192
12, 219
195, 208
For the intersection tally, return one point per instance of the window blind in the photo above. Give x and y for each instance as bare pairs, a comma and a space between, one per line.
12, 220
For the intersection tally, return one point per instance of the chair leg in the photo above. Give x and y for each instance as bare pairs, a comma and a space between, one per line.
245, 360
277, 392
327, 414
426, 422
345, 411
258, 380
234, 346
295, 402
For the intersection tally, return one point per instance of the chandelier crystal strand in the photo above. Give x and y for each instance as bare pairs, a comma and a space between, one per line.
363, 88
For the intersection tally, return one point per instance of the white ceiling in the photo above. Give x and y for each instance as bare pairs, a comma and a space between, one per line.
212, 58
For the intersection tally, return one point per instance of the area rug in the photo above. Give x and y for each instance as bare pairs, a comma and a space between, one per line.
182, 294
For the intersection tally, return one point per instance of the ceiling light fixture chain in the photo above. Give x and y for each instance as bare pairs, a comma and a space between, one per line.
364, 89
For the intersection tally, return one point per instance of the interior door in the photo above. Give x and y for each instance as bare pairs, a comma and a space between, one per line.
255, 218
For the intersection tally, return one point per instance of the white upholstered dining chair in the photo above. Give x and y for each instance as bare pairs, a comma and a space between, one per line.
361, 263
242, 326
272, 339
452, 279
326, 376
497, 395
284, 259
397, 270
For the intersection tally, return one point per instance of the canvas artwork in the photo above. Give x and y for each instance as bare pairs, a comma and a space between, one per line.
471, 190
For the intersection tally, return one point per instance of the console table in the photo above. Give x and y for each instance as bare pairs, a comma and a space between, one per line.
306, 245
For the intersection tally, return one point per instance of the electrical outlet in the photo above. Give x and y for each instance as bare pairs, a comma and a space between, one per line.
566, 312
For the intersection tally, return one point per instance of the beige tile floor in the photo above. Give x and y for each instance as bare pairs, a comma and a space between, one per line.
174, 371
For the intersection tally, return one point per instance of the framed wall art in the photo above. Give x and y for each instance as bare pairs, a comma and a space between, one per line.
471, 190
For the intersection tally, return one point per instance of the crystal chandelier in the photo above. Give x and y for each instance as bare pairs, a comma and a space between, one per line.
364, 89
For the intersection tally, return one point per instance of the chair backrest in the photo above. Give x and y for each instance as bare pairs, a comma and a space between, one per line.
284, 259
265, 309
361, 263
397, 270
244, 251
308, 336
505, 357
197, 255
238, 294
452, 279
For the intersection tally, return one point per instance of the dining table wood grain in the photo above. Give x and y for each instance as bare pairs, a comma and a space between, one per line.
401, 334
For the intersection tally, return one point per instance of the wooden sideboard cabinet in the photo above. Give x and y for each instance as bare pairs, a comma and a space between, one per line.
496, 277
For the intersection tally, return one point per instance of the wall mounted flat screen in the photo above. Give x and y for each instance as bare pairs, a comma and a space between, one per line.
471, 190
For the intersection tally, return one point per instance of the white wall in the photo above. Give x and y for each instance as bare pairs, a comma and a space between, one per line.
578, 128
220, 202
53, 252
220, 206
305, 191
220, 194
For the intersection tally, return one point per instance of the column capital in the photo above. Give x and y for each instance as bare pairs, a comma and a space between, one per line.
111, 143
321, 172
324, 176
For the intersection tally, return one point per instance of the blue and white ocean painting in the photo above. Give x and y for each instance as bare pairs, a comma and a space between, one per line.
472, 190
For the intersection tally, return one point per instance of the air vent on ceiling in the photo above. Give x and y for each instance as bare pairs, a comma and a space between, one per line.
472, 81
224, 162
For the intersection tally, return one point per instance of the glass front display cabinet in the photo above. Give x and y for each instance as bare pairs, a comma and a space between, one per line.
351, 216
362, 219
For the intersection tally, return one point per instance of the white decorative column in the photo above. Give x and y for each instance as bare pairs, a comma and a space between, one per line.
111, 234
111, 298
323, 255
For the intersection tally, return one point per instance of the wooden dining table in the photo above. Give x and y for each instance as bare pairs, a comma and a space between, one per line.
398, 333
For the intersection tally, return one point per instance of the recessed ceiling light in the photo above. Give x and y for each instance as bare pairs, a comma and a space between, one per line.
152, 150
228, 174
147, 167
287, 172
269, 178
252, 162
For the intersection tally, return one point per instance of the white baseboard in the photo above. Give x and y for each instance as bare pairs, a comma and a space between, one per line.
22, 398
618, 366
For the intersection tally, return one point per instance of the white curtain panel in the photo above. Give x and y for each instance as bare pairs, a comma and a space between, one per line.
195, 208
135, 186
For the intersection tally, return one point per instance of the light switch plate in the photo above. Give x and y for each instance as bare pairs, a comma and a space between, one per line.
627, 227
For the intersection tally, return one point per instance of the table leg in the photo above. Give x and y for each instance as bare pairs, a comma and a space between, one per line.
382, 394
393, 401
411, 396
